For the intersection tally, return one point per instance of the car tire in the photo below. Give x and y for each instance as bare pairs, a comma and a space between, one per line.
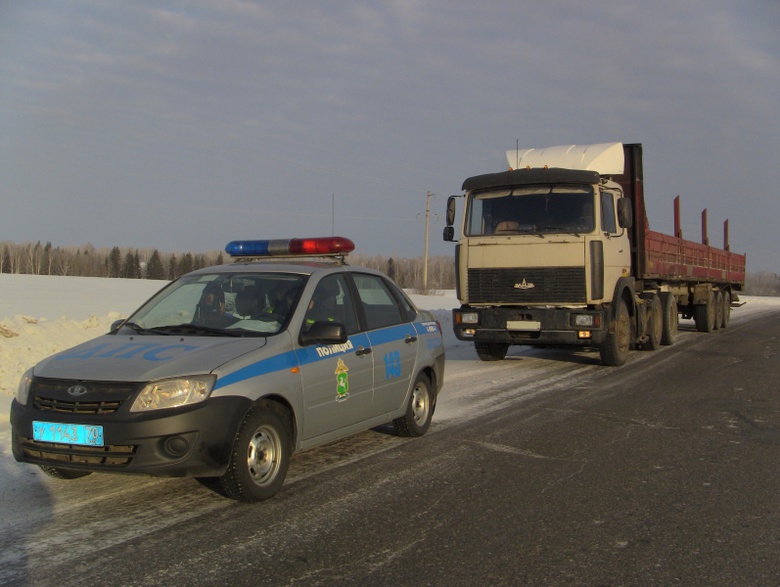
60, 473
419, 409
260, 455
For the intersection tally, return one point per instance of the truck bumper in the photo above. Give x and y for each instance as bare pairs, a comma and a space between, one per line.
531, 326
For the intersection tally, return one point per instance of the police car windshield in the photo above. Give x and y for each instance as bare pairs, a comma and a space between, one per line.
220, 304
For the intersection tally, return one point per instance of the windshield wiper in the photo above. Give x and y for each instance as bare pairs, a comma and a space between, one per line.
192, 329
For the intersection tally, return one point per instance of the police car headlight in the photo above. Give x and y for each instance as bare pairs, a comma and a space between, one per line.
24, 387
173, 393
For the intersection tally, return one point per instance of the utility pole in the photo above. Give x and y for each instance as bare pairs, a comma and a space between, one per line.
425, 257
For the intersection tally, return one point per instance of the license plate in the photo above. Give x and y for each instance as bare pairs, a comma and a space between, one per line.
80, 434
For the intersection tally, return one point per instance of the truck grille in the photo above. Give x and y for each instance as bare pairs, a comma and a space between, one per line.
534, 285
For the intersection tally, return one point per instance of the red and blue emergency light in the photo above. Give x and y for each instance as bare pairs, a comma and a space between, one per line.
326, 246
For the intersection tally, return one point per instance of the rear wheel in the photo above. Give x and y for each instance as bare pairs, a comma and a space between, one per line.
669, 309
614, 350
726, 309
60, 473
261, 454
704, 315
419, 410
718, 310
655, 325
491, 351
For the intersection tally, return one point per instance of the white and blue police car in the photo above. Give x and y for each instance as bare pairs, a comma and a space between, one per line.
229, 370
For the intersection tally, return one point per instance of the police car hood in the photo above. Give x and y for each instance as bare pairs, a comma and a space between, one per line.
145, 358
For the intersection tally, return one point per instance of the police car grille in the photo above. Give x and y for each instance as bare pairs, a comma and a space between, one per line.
55, 454
101, 397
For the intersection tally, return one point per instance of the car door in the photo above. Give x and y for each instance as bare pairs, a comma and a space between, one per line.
393, 340
337, 379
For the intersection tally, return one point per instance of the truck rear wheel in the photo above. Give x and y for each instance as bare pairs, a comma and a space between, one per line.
614, 350
704, 315
718, 310
655, 325
491, 351
726, 309
669, 308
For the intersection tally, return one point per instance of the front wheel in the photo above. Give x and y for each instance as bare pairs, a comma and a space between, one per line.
419, 410
614, 350
60, 473
491, 351
260, 456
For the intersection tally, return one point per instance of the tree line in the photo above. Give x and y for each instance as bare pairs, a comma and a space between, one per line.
131, 263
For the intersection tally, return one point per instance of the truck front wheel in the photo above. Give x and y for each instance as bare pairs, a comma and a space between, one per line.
614, 350
491, 351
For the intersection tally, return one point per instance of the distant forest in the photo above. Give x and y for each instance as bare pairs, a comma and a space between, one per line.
88, 261
128, 263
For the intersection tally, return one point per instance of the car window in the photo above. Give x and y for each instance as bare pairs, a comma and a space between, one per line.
241, 303
378, 302
331, 302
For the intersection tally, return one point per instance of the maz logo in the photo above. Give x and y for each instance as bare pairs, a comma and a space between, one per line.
524, 285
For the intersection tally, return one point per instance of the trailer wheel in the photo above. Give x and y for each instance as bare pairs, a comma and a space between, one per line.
614, 350
669, 307
718, 310
726, 309
704, 315
655, 325
491, 351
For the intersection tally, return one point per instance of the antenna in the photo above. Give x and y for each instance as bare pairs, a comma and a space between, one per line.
517, 153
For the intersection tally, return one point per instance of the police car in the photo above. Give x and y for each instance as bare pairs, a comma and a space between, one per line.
229, 370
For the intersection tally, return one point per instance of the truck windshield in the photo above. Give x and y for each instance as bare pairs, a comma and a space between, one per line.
531, 210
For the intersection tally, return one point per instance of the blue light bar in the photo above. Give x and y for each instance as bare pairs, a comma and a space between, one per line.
328, 246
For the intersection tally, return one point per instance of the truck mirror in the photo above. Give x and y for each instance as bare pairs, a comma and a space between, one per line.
625, 213
451, 211
449, 233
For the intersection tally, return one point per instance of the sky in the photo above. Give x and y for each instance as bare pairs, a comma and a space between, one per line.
183, 125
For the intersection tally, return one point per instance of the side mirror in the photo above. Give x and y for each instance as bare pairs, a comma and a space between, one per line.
449, 234
324, 333
451, 211
116, 324
625, 213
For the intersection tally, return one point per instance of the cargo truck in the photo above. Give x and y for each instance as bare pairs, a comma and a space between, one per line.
558, 252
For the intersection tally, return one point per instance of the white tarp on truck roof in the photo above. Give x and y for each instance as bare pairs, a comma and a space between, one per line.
604, 158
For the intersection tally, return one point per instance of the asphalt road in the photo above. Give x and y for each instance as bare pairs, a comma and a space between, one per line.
665, 471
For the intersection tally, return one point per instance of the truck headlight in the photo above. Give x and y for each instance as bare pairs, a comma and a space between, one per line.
173, 393
584, 320
23, 392
468, 318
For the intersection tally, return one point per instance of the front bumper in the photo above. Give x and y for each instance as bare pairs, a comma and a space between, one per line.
530, 326
195, 441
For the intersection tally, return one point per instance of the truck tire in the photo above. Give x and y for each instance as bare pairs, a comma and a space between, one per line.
655, 325
704, 315
718, 310
614, 350
669, 308
491, 351
726, 309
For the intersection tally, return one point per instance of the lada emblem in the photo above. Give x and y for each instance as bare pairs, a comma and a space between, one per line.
524, 285
77, 390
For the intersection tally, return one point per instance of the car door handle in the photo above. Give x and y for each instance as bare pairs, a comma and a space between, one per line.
363, 351
410, 339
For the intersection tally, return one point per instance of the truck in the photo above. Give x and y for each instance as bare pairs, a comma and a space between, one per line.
558, 252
